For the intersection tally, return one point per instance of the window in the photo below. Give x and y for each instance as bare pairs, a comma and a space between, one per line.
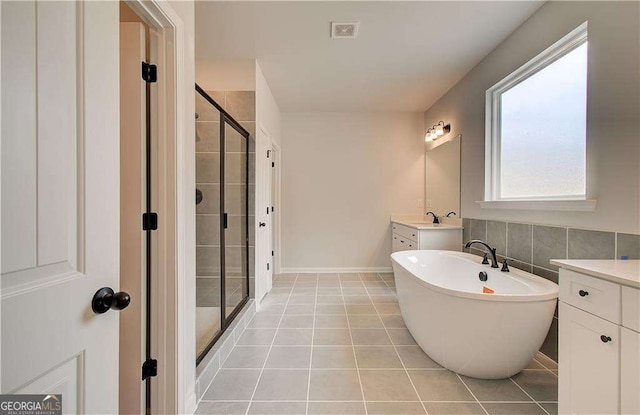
536, 127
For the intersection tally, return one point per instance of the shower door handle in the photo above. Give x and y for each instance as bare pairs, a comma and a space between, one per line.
224, 221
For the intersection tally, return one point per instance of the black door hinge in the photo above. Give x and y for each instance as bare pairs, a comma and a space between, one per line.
149, 221
149, 368
268, 153
272, 208
149, 72
273, 164
271, 253
267, 266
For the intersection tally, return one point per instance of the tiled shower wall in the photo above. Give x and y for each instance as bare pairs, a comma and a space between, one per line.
530, 247
241, 105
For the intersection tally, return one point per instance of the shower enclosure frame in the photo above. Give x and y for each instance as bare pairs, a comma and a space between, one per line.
225, 321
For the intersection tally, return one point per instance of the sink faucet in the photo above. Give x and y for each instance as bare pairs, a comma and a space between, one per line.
492, 251
451, 213
435, 217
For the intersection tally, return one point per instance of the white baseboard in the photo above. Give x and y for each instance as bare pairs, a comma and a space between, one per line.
343, 270
258, 301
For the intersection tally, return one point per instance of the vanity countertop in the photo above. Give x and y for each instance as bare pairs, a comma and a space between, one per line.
426, 225
624, 272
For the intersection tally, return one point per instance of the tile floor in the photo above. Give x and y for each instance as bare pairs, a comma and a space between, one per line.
337, 344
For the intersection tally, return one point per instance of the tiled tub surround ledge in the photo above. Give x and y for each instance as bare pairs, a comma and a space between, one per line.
531, 247
337, 344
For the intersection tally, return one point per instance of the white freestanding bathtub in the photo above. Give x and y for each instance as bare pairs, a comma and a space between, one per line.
477, 334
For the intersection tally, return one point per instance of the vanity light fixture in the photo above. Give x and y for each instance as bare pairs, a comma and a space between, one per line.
437, 131
430, 135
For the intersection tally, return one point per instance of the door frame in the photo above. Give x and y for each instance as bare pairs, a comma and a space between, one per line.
0, 204
262, 145
173, 338
277, 217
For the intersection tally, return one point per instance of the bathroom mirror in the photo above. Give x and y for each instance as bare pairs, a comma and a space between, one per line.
442, 175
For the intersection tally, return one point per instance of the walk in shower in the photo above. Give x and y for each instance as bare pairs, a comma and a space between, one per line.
223, 175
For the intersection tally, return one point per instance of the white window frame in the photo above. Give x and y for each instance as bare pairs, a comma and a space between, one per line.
492, 198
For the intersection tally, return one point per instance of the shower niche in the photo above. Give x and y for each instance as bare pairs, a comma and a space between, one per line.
225, 177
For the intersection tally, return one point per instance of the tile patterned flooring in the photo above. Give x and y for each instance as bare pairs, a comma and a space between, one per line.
337, 344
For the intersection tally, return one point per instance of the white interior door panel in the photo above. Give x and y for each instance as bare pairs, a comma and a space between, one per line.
60, 200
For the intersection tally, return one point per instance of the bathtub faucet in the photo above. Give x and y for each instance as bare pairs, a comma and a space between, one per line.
492, 251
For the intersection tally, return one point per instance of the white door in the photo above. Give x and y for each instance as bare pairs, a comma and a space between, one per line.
275, 211
271, 158
60, 200
263, 228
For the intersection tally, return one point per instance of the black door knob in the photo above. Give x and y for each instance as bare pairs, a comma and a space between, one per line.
583, 293
261, 224
605, 339
105, 299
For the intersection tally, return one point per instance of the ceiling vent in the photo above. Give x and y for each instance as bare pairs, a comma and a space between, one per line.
344, 30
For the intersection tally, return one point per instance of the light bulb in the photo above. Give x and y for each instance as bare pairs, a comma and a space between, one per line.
432, 134
427, 136
439, 130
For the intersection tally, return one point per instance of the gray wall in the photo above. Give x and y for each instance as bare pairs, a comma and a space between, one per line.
613, 143
343, 175
613, 130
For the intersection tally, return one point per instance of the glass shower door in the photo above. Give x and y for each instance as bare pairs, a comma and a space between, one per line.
222, 221
235, 207
208, 249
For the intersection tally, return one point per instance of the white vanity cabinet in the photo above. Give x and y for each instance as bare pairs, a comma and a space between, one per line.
409, 236
588, 367
630, 383
404, 238
401, 243
599, 337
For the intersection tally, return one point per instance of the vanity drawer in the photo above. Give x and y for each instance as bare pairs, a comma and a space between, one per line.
631, 308
593, 295
405, 231
400, 243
